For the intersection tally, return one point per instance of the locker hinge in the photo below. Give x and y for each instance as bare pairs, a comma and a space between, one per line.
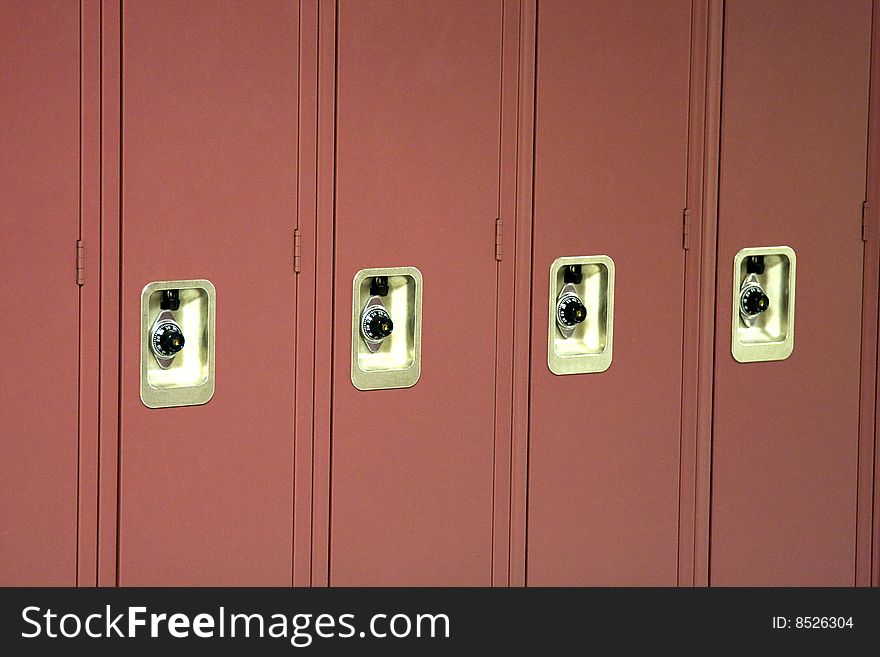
686, 229
297, 251
498, 227
865, 228
80, 263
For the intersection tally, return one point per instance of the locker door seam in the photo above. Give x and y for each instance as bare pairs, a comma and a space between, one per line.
717, 218
297, 267
693, 52
498, 268
870, 292
120, 306
79, 335
530, 303
100, 275
335, 120
500, 286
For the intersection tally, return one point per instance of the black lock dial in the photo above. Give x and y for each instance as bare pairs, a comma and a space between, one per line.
167, 339
753, 300
570, 311
376, 324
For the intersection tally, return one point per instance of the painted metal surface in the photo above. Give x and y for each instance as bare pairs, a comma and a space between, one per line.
322, 329
417, 183
707, 24
108, 412
610, 177
90, 293
868, 544
39, 170
230, 141
793, 139
516, 276
208, 191
306, 218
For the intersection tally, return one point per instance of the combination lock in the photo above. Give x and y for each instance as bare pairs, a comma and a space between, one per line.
166, 339
753, 301
570, 310
376, 324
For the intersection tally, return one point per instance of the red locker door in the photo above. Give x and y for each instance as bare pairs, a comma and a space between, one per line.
417, 185
208, 191
793, 141
39, 170
610, 178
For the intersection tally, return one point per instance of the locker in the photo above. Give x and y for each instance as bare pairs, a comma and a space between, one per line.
398, 293
610, 178
208, 206
793, 140
417, 158
39, 170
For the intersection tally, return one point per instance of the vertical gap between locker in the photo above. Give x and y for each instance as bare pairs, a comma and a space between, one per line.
79, 293
717, 215
534, 150
296, 292
100, 283
120, 307
335, 119
497, 301
314, 301
685, 316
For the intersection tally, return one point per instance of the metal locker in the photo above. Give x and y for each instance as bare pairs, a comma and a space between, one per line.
793, 144
208, 211
39, 170
417, 158
610, 182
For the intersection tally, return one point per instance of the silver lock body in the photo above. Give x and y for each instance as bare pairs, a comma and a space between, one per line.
374, 308
750, 285
164, 322
567, 294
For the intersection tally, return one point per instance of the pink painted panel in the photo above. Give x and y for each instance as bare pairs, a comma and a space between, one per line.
39, 185
520, 247
305, 293
90, 298
707, 23
873, 265
208, 191
323, 240
417, 184
610, 178
793, 139
511, 364
108, 412
866, 516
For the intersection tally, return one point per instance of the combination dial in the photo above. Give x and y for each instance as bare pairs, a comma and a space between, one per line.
376, 324
167, 339
570, 311
753, 301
